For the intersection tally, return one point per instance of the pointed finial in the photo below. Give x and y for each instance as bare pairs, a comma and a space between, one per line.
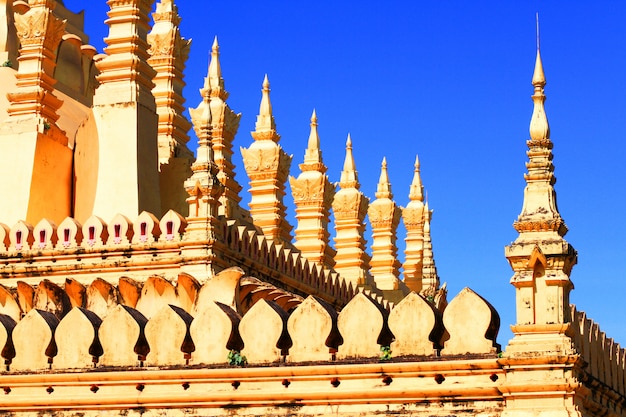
214, 76
265, 119
313, 154
266, 104
539, 127
314, 139
537, 24
416, 192
349, 177
384, 187
427, 217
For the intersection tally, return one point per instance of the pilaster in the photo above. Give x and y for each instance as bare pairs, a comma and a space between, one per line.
168, 54
313, 195
125, 115
350, 208
8, 36
267, 166
34, 145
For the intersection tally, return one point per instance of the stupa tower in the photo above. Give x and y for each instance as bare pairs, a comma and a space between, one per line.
313, 195
413, 217
224, 126
203, 189
350, 208
384, 216
168, 54
542, 261
430, 277
540, 257
267, 166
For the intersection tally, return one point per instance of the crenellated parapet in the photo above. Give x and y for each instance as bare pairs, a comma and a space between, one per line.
267, 166
604, 363
78, 326
313, 195
146, 245
350, 208
384, 216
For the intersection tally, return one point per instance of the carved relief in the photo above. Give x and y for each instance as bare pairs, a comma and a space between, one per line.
556, 225
168, 44
307, 190
39, 26
347, 206
260, 159
413, 218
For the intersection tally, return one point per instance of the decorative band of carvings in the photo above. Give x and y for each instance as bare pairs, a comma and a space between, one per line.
548, 225
545, 143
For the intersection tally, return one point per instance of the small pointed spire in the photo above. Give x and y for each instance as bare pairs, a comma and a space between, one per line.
539, 78
265, 119
313, 154
539, 127
314, 139
349, 177
384, 187
214, 76
416, 192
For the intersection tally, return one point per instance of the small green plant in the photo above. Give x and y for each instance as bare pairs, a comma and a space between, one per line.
235, 358
385, 353
7, 63
430, 298
46, 126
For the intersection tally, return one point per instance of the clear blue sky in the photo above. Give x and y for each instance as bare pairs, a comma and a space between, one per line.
449, 81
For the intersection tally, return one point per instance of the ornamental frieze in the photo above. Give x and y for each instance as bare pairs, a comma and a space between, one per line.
545, 225
39, 26
349, 206
255, 160
383, 215
146, 4
307, 190
161, 43
544, 143
413, 217
168, 44
266, 135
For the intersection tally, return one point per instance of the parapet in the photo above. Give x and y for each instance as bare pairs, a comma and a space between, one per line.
148, 246
604, 359
159, 323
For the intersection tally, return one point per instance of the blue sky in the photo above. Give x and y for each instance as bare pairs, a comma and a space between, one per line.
449, 81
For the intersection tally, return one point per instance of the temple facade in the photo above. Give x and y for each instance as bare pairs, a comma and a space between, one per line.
135, 282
